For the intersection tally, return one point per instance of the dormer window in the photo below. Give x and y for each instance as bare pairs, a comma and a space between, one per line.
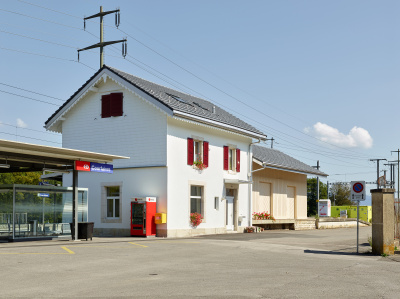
111, 105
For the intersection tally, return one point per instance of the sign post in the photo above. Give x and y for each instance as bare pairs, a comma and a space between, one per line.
358, 193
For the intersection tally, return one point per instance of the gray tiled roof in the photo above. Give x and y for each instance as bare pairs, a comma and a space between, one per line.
190, 104
275, 158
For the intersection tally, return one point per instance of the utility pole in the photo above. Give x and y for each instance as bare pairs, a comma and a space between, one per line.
102, 44
392, 165
398, 171
377, 170
272, 142
317, 167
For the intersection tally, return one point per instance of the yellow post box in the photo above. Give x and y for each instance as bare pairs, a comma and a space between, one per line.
160, 218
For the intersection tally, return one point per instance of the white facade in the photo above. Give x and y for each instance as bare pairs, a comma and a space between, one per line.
156, 142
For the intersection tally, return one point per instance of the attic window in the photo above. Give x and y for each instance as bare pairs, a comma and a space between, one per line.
111, 105
198, 105
178, 98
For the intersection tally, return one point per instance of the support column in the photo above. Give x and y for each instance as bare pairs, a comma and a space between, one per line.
75, 204
383, 221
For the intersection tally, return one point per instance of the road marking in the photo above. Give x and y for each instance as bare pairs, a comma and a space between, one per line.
68, 250
137, 244
36, 253
180, 242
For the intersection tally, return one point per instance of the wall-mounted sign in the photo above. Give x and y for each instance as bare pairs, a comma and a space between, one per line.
104, 168
93, 167
82, 165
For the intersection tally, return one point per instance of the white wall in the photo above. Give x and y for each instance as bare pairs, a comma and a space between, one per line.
181, 175
139, 134
145, 134
140, 182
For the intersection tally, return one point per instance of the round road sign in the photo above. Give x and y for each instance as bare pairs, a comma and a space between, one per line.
358, 187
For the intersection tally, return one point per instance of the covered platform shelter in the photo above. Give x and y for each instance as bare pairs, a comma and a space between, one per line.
25, 157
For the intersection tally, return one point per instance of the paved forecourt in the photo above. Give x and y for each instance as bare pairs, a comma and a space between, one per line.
275, 264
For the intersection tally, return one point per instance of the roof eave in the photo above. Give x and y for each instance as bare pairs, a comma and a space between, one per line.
219, 125
283, 168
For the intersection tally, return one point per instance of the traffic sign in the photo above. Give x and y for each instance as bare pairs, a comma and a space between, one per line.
358, 190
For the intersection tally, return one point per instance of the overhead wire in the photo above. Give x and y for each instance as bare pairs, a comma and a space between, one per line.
182, 69
38, 139
29, 129
163, 56
41, 94
47, 56
212, 85
18, 95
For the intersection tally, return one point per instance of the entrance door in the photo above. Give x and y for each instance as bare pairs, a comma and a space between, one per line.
229, 213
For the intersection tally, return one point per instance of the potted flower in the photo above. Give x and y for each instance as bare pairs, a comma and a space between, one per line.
199, 164
250, 229
195, 219
262, 216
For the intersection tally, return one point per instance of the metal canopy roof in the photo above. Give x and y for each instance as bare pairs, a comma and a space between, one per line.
28, 157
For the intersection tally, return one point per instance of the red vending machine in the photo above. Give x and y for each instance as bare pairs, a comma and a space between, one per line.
143, 211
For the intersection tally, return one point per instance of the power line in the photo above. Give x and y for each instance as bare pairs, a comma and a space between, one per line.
30, 137
29, 129
37, 39
18, 95
32, 92
49, 9
47, 56
28, 16
199, 79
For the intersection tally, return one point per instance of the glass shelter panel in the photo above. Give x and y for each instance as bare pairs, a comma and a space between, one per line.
6, 212
39, 210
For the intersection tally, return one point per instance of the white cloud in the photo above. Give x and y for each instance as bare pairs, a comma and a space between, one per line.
357, 137
21, 123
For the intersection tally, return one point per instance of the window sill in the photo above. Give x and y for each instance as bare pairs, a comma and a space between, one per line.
111, 220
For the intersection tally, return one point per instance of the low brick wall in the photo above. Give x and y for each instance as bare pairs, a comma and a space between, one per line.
325, 223
305, 224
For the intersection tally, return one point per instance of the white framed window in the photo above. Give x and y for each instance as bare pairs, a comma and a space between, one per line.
113, 202
232, 159
197, 199
198, 150
216, 203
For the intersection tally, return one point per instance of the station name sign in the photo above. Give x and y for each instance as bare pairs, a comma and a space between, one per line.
93, 167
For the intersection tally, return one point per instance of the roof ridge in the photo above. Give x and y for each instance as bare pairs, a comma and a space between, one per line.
188, 94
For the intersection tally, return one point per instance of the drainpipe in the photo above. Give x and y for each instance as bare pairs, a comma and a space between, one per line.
250, 179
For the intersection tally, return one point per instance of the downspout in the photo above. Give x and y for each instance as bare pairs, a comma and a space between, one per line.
250, 179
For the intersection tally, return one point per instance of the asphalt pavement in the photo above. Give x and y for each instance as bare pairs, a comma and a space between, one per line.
271, 264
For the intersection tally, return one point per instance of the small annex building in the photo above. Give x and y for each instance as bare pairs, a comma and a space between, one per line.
280, 186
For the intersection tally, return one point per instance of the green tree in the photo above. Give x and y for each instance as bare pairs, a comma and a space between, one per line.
312, 208
26, 178
340, 194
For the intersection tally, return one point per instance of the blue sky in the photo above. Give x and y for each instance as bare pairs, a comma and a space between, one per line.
320, 77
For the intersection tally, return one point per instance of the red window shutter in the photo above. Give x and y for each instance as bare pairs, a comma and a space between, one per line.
116, 104
237, 160
205, 153
190, 151
105, 106
226, 157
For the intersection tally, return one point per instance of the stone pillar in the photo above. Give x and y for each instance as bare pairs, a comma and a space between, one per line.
383, 221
